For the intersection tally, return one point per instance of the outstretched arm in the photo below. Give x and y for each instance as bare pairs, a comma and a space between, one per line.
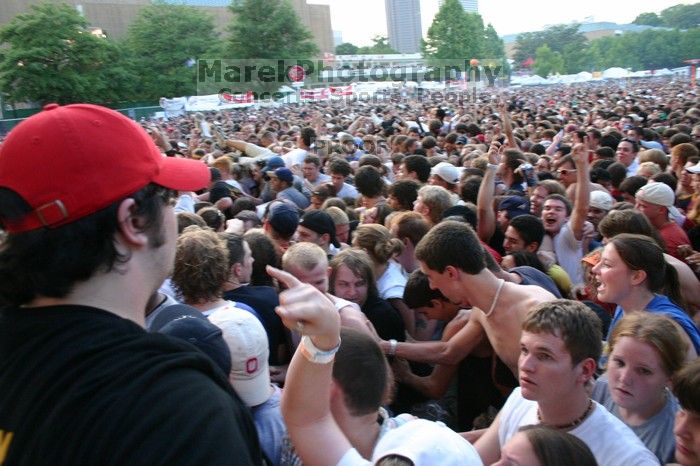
306, 397
583, 189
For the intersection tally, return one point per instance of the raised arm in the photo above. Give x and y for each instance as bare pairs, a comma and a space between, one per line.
583, 189
307, 391
486, 219
507, 126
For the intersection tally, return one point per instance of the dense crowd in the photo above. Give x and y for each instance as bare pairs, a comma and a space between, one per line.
502, 277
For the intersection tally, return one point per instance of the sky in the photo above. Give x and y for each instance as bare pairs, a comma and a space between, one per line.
360, 20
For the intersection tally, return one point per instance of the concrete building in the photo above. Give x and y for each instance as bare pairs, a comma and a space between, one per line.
114, 16
403, 25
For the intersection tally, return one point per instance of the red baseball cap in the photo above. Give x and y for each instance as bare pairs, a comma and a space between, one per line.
71, 161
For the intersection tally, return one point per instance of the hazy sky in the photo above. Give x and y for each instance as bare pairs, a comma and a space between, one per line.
360, 20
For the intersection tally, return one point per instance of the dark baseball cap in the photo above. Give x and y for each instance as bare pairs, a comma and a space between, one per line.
321, 223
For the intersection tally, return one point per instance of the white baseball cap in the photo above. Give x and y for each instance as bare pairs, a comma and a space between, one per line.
247, 342
446, 171
427, 443
659, 194
694, 169
601, 200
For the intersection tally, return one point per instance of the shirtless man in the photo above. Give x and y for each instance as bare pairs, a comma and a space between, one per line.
498, 307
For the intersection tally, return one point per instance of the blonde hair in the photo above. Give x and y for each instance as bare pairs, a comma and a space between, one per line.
303, 255
377, 241
224, 164
201, 265
658, 331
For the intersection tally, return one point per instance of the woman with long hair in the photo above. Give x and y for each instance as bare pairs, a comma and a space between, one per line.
633, 274
645, 351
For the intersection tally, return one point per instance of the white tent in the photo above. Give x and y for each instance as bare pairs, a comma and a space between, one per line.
615, 73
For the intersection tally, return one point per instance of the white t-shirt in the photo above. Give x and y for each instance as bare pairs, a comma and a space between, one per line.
610, 440
294, 157
569, 253
392, 282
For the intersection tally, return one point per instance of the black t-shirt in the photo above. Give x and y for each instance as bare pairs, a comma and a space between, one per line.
386, 320
81, 386
264, 300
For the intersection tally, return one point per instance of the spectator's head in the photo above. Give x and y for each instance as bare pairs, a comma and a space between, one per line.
309, 263
201, 266
524, 233
369, 182
240, 258
402, 194
317, 227
571, 333
352, 276
342, 223
431, 202
51, 213
339, 170
541, 191
281, 220
377, 241
427, 301
415, 167
599, 205
686, 387
545, 446
246, 340
263, 250
627, 151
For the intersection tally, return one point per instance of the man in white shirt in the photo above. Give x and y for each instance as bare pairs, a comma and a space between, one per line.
559, 349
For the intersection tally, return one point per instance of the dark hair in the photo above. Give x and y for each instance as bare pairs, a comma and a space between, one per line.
628, 221
308, 135
213, 217
185, 219
368, 181
562, 199
667, 179
635, 144
529, 227
680, 138
618, 173
405, 192
529, 259
437, 249
469, 191
418, 293
640, 252
50, 261
340, 167
234, 244
418, 164
361, 371
632, 184
686, 386
553, 447
360, 264
573, 322
241, 204
605, 152
263, 251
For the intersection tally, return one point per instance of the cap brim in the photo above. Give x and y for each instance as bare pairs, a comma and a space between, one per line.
182, 174
253, 391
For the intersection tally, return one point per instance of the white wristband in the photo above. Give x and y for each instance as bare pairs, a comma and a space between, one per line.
392, 347
315, 355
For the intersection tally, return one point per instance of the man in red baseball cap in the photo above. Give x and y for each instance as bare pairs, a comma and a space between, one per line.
86, 204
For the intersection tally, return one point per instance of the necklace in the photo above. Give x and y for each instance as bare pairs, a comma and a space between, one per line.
495, 298
571, 425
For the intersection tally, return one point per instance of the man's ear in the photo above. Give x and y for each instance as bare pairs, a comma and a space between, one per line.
588, 368
131, 226
452, 272
532, 247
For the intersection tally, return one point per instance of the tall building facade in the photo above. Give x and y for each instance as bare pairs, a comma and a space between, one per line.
113, 17
403, 25
470, 6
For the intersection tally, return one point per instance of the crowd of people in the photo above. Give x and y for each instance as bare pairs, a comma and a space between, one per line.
505, 277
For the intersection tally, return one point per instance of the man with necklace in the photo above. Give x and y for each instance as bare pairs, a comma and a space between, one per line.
559, 348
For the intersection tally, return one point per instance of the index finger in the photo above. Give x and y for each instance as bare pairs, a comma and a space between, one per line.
289, 280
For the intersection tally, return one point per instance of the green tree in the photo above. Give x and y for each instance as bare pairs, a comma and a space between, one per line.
268, 29
346, 48
493, 45
559, 38
681, 16
548, 61
648, 19
62, 63
165, 40
453, 34
380, 46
